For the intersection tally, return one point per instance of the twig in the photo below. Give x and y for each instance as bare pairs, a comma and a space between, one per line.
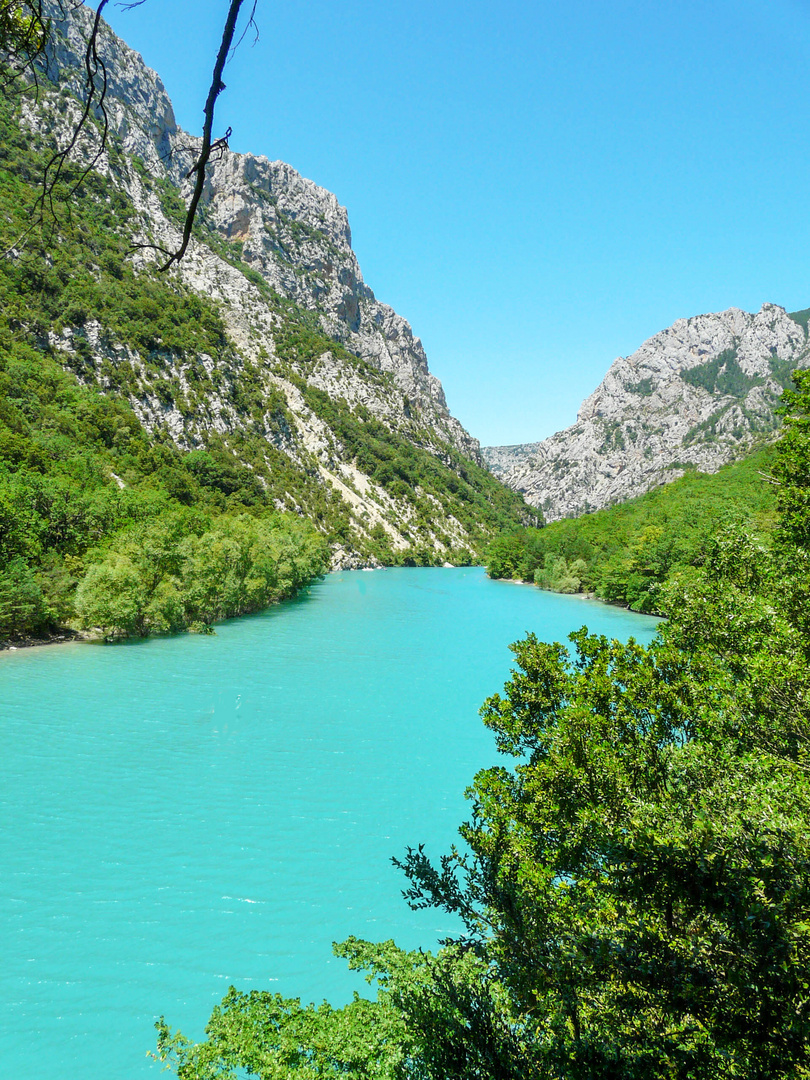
217, 86
93, 64
96, 93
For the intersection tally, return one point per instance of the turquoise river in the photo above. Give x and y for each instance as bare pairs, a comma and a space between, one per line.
184, 814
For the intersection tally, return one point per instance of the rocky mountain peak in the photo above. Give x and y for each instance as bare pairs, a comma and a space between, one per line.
287, 229
264, 348
695, 395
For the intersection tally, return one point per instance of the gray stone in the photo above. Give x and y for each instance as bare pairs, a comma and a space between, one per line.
660, 410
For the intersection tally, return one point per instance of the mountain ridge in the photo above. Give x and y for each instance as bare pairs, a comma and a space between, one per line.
696, 395
308, 364
254, 203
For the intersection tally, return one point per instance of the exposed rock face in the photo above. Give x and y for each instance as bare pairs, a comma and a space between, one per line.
266, 238
294, 233
697, 394
298, 237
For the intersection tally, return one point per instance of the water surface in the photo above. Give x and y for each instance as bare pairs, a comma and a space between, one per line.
184, 814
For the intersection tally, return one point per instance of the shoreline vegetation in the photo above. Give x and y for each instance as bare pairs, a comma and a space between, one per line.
95, 635
107, 522
624, 554
634, 885
141, 583
180, 572
68, 636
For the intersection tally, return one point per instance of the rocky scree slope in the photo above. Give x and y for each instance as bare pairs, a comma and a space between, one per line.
314, 376
696, 395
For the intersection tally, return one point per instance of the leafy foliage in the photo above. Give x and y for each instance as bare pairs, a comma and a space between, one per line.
624, 553
23, 33
183, 570
635, 881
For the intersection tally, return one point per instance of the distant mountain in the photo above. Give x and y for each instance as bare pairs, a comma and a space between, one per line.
696, 395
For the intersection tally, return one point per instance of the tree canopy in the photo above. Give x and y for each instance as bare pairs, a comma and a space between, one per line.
634, 881
624, 553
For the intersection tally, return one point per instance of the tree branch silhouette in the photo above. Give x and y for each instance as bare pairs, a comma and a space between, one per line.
208, 147
25, 41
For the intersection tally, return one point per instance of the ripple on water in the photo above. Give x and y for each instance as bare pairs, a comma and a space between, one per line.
183, 814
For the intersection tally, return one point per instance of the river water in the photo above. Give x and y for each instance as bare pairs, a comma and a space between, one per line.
184, 814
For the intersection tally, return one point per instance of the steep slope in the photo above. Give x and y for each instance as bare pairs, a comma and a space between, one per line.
290, 370
695, 395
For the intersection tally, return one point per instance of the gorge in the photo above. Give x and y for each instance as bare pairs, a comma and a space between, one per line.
261, 377
192, 819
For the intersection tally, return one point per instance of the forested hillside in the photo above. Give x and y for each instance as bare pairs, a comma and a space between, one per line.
158, 428
625, 553
102, 524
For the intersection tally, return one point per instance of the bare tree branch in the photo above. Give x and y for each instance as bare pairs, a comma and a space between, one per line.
251, 22
95, 93
29, 43
217, 86
94, 100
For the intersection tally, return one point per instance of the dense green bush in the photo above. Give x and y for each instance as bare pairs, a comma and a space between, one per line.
182, 570
23, 609
558, 576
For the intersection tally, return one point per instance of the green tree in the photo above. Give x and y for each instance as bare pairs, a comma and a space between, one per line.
267, 1035
183, 570
23, 609
635, 887
641, 878
23, 30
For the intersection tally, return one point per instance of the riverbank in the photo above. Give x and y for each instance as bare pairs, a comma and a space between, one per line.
63, 637
67, 636
588, 596
246, 791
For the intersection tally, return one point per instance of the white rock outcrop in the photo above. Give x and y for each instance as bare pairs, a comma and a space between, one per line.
286, 228
696, 395
272, 250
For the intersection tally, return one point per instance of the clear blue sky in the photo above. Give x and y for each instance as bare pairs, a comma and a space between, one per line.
537, 187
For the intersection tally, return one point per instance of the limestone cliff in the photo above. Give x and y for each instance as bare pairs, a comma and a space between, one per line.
697, 395
308, 343
294, 233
